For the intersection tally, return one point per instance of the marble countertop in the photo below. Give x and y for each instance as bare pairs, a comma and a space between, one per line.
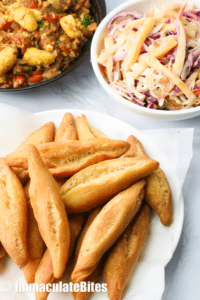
81, 90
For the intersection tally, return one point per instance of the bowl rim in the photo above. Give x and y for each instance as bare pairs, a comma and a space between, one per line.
109, 90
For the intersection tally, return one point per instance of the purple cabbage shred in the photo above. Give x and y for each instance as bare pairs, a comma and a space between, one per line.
176, 89
150, 105
155, 36
171, 33
196, 64
171, 57
136, 82
192, 16
164, 60
149, 97
148, 42
136, 100
124, 14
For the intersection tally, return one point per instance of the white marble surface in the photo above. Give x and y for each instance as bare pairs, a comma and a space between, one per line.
80, 90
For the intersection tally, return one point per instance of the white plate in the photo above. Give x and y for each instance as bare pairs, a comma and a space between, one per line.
161, 242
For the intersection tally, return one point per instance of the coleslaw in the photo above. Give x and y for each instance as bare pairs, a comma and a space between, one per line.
153, 59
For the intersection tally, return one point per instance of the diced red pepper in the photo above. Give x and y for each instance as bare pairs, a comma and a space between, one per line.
37, 72
18, 41
74, 48
23, 49
53, 18
34, 5
19, 79
35, 78
15, 39
196, 92
64, 48
8, 26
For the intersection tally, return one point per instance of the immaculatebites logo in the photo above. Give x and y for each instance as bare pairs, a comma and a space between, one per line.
59, 287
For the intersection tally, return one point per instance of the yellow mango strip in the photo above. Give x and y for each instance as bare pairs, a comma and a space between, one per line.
158, 52
140, 37
130, 26
181, 51
151, 13
105, 54
169, 27
109, 64
170, 14
134, 24
192, 77
156, 65
129, 40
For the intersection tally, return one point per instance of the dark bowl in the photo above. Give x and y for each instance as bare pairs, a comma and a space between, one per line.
98, 12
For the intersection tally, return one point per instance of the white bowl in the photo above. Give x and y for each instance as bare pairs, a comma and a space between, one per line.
97, 45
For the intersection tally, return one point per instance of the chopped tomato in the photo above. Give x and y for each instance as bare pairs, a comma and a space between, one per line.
19, 79
37, 35
196, 92
35, 78
23, 49
18, 41
34, 5
37, 72
53, 18
8, 26
64, 49
15, 39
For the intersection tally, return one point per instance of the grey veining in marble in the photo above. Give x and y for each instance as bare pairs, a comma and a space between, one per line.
81, 90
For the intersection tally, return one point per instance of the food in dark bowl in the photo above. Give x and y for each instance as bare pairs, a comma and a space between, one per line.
40, 38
